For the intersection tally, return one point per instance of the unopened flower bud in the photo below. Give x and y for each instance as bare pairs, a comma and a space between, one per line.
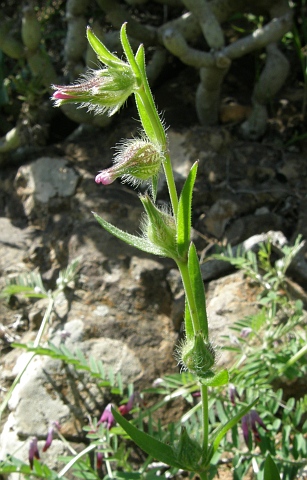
104, 90
188, 451
160, 228
49, 439
99, 460
137, 160
33, 451
197, 355
233, 393
127, 407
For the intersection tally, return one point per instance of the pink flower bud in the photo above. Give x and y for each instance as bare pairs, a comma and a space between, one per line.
137, 160
233, 394
53, 426
33, 451
58, 95
104, 90
125, 409
99, 459
105, 177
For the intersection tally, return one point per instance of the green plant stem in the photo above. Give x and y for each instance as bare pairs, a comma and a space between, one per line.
36, 344
294, 359
205, 427
183, 268
205, 419
76, 458
147, 100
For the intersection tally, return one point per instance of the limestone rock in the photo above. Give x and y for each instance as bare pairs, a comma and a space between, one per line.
45, 180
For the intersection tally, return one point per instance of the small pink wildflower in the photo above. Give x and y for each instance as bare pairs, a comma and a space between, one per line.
33, 451
249, 423
107, 419
125, 409
50, 435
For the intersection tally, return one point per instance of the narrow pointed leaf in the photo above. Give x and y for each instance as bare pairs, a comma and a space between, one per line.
150, 110
101, 51
270, 471
138, 242
128, 51
184, 219
220, 433
146, 123
198, 289
140, 60
158, 450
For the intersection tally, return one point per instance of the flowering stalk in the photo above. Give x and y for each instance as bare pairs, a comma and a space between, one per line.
166, 232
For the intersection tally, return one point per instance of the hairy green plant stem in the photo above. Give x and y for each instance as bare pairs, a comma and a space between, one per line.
147, 100
183, 268
205, 421
184, 272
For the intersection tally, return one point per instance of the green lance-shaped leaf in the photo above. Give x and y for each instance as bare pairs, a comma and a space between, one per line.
270, 471
102, 52
184, 213
158, 450
145, 120
138, 242
198, 289
129, 53
146, 106
220, 433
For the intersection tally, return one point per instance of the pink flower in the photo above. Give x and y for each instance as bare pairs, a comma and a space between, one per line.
124, 409
50, 435
245, 332
33, 451
107, 419
249, 424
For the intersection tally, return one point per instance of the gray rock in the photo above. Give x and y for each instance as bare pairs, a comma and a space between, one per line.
14, 243
229, 299
44, 180
48, 392
49, 177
